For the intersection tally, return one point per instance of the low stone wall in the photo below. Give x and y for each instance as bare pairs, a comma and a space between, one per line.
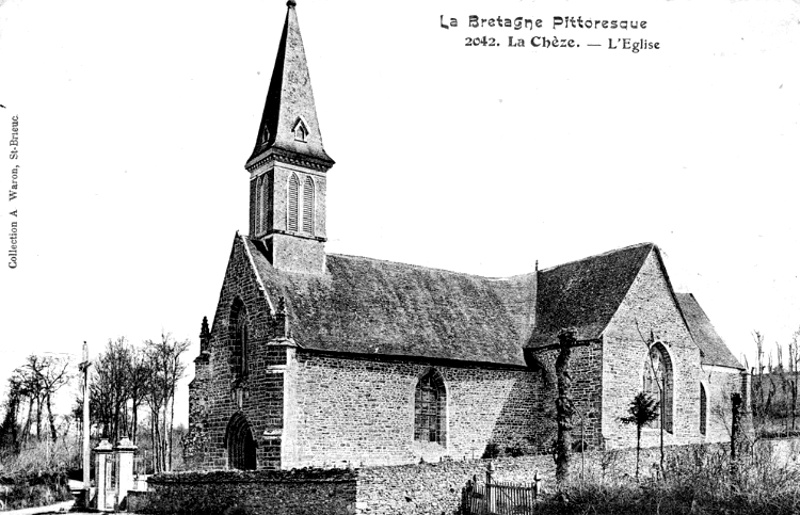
436, 487
300, 491
425, 488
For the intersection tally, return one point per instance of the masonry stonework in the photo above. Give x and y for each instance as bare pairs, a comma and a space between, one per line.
361, 411
218, 392
719, 383
649, 314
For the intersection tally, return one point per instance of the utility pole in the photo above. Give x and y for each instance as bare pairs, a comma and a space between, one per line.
84, 367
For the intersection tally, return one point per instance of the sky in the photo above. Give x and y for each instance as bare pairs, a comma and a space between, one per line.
135, 120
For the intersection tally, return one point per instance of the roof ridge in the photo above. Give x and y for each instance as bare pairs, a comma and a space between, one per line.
423, 267
602, 254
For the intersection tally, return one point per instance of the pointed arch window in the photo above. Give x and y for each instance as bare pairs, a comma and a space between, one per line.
703, 410
658, 382
308, 205
430, 402
293, 201
237, 334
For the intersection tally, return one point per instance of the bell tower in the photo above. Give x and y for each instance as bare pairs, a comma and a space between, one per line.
288, 167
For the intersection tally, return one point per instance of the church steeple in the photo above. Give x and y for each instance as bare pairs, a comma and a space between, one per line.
288, 165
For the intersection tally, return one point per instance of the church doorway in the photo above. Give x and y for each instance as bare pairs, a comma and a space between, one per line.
241, 444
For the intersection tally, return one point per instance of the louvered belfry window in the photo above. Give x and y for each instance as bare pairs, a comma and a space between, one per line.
430, 400
294, 190
308, 205
259, 207
264, 204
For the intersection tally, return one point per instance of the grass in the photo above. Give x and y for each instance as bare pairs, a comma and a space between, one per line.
699, 482
37, 476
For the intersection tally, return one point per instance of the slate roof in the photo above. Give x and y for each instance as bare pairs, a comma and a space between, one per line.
713, 349
585, 294
290, 96
369, 306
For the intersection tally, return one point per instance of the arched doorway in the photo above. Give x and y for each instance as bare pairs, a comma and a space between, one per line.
241, 444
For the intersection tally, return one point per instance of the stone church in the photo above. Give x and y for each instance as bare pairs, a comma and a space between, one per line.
318, 359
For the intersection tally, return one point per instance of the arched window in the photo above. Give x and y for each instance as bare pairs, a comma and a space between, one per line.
237, 327
308, 205
703, 409
292, 211
657, 381
430, 402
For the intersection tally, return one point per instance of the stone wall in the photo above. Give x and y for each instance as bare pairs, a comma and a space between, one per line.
407, 489
361, 411
293, 492
436, 487
649, 311
586, 370
719, 384
214, 398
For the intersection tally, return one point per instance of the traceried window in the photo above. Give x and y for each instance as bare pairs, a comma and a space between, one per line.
430, 401
308, 205
237, 331
293, 201
657, 381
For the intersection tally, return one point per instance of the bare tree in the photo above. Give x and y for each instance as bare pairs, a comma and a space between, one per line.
9, 432
31, 391
661, 384
763, 387
794, 375
166, 368
110, 390
49, 374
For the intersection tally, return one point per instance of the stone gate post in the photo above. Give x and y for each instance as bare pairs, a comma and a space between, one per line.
124, 456
102, 472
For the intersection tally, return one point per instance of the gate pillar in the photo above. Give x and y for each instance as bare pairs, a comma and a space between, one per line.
124, 457
102, 471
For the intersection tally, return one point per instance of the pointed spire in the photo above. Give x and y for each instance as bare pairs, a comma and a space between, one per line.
289, 122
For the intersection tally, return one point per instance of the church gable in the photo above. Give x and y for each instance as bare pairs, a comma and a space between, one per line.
648, 337
242, 293
650, 304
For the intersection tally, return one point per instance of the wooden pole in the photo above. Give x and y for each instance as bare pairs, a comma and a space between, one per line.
86, 427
